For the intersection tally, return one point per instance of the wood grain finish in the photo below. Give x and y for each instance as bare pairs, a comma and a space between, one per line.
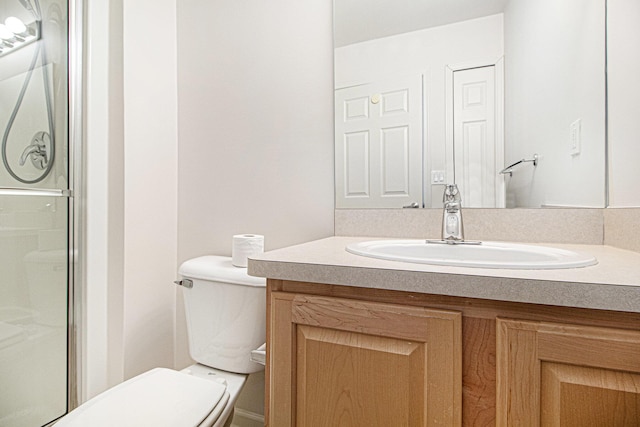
344, 380
280, 377
478, 334
557, 375
581, 396
342, 362
478, 372
469, 307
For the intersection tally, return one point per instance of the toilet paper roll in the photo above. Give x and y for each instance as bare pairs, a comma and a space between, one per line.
244, 246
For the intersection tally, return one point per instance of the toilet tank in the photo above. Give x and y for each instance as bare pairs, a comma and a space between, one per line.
226, 313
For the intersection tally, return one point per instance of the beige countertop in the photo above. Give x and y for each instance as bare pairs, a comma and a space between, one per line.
612, 284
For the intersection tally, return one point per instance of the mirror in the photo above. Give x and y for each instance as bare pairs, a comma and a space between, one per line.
429, 92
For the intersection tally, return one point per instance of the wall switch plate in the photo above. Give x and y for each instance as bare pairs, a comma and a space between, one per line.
437, 177
575, 137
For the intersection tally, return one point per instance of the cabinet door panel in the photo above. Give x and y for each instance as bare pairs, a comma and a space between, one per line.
580, 396
553, 374
355, 363
344, 380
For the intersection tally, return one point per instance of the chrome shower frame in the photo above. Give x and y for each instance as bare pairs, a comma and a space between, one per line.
77, 219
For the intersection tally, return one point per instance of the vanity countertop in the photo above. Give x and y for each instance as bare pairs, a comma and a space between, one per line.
612, 284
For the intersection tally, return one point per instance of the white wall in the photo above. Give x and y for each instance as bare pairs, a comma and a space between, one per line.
131, 166
102, 346
255, 155
255, 117
427, 51
150, 176
554, 71
624, 109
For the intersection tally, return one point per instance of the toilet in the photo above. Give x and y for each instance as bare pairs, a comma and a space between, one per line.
225, 312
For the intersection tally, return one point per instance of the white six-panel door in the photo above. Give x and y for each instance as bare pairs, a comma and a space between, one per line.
474, 137
378, 142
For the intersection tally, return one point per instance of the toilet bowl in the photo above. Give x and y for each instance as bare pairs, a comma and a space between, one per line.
225, 311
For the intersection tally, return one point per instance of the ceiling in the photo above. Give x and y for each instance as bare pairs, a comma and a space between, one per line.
360, 20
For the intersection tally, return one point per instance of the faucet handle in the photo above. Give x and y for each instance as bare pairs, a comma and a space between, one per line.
451, 193
38, 150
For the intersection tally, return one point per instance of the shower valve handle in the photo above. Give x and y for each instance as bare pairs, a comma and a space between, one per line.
38, 150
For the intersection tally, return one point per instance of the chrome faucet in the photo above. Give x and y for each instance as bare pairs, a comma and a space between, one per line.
452, 229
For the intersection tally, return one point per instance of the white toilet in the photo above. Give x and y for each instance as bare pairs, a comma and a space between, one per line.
225, 311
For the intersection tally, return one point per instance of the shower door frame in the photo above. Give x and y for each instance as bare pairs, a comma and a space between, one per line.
76, 224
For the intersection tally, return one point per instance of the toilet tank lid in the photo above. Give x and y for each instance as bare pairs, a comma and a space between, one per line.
159, 397
218, 269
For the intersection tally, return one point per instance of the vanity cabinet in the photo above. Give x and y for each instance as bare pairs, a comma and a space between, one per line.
553, 374
343, 362
348, 356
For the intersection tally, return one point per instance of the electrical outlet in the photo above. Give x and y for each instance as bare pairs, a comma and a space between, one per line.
575, 137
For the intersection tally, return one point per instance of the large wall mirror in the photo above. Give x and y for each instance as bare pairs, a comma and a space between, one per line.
429, 92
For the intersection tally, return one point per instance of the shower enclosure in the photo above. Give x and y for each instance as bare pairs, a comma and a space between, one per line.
36, 257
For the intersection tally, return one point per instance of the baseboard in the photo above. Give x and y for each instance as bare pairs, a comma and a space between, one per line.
243, 418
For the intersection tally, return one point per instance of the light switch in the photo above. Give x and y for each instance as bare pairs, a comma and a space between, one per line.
575, 138
437, 177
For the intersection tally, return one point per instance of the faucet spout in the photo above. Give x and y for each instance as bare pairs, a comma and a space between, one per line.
452, 228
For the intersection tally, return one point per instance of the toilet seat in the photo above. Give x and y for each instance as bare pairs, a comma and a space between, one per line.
159, 397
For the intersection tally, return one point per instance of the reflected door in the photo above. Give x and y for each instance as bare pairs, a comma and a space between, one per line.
476, 148
379, 144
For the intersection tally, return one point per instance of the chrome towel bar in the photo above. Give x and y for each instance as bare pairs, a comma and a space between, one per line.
509, 169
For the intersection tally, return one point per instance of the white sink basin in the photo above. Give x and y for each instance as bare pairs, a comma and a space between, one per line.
485, 255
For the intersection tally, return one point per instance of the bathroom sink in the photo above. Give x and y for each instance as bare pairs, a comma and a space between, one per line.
483, 255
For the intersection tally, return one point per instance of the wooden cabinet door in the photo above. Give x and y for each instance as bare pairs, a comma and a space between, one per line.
563, 375
339, 362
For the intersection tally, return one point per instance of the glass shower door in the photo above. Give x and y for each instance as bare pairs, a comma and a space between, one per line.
34, 212
33, 309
